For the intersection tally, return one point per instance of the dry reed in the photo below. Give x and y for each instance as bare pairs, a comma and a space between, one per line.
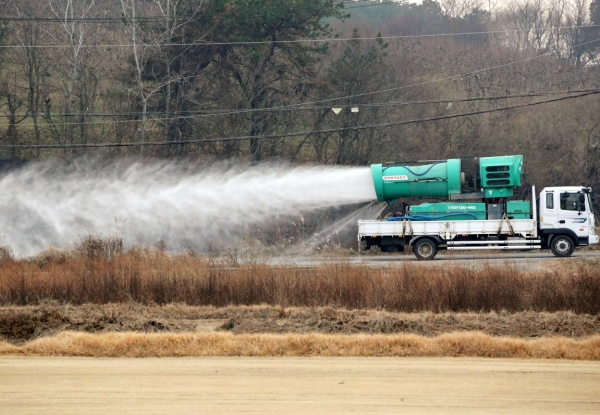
157, 278
225, 344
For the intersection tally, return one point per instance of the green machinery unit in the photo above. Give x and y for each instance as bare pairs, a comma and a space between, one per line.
453, 211
499, 175
490, 180
518, 210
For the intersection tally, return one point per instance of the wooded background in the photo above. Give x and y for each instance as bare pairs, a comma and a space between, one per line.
259, 79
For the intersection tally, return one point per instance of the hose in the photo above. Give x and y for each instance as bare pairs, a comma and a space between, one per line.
418, 174
421, 218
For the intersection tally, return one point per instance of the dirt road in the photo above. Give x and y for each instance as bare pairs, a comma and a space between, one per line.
297, 385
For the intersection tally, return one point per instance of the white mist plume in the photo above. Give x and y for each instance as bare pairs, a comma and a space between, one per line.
187, 207
332, 232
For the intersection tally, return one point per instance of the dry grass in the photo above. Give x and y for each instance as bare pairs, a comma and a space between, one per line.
19, 324
6, 253
156, 278
94, 247
98, 301
225, 344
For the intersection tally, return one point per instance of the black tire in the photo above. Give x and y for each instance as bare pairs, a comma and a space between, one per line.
562, 246
425, 249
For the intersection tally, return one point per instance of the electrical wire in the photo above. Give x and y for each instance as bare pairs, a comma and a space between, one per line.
449, 78
282, 107
292, 41
314, 108
294, 134
158, 18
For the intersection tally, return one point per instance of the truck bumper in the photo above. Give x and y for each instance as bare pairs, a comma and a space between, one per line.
593, 239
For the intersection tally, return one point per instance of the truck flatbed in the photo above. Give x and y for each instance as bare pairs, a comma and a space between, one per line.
448, 230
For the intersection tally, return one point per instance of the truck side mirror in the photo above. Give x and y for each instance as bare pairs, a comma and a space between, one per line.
581, 198
564, 196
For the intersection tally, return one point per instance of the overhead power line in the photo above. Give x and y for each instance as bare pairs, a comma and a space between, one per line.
158, 18
447, 78
292, 41
221, 112
293, 134
347, 97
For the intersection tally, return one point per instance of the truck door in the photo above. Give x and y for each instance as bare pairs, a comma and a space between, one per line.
572, 212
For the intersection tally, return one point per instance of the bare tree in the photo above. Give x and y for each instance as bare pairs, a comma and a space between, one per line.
32, 64
175, 76
13, 103
556, 27
155, 54
140, 54
460, 8
576, 41
530, 20
81, 83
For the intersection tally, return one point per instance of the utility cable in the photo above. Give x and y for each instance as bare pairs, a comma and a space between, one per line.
208, 113
347, 97
297, 105
294, 134
292, 41
158, 18
448, 78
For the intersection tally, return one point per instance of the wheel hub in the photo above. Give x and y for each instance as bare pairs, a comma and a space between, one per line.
563, 246
425, 250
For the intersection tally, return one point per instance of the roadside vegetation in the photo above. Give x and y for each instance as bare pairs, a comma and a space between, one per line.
89, 301
307, 345
152, 277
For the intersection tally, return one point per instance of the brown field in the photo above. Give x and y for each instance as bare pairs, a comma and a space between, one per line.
94, 301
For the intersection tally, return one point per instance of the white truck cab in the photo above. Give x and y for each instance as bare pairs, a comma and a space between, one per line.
566, 218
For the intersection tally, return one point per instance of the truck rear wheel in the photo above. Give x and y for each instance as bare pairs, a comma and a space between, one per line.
425, 249
562, 246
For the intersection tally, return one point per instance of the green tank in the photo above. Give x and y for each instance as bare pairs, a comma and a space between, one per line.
437, 180
489, 177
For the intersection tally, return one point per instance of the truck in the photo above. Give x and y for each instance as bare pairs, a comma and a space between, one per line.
477, 210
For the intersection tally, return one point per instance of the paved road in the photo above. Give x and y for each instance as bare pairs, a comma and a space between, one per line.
297, 386
523, 260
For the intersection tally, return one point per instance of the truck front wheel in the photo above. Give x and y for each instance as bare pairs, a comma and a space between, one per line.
562, 246
425, 249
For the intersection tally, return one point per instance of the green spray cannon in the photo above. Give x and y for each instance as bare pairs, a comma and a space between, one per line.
453, 179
